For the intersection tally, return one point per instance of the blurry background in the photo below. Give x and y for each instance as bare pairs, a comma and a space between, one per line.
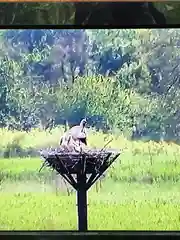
62, 13
124, 80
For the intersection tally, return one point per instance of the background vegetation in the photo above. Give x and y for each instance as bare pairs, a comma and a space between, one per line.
140, 191
116, 78
63, 13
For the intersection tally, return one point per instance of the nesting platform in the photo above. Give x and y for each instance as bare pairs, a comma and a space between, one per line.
93, 162
81, 170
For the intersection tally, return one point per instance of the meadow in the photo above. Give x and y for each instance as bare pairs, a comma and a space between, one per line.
140, 191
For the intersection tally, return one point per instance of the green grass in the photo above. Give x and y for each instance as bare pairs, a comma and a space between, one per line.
25, 143
127, 168
129, 200
117, 207
16, 169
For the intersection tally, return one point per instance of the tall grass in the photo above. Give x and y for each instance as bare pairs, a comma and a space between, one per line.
140, 191
129, 208
140, 161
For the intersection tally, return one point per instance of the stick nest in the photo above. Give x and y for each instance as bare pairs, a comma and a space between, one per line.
90, 161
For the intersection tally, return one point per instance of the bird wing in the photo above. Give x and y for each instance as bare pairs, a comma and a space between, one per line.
76, 132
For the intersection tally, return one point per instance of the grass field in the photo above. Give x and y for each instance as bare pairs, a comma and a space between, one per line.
140, 192
32, 206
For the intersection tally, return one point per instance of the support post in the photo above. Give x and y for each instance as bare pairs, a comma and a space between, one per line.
82, 202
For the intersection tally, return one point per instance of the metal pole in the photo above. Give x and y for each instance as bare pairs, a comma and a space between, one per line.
82, 202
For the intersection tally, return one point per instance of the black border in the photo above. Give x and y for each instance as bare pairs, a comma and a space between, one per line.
56, 235
91, 233
50, 26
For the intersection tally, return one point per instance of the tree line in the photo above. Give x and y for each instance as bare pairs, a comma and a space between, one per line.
116, 78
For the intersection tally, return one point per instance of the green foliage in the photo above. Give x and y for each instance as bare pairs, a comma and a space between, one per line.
37, 13
159, 161
105, 211
127, 184
145, 181
170, 10
125, 77
63, 13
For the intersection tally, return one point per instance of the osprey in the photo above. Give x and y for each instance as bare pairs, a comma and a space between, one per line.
75, 134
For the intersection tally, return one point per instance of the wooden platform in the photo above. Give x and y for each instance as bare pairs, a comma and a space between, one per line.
90, 162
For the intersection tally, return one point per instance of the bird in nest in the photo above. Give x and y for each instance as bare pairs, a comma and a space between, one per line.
75, 138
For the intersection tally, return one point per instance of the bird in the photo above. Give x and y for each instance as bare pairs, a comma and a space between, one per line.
76, 135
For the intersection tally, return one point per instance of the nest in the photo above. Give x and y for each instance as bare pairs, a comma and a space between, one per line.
91, 161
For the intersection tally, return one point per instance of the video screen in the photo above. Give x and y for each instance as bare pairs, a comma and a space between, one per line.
89, 119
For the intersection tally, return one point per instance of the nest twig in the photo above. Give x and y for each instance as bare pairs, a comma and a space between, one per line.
65, 162
75, 157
